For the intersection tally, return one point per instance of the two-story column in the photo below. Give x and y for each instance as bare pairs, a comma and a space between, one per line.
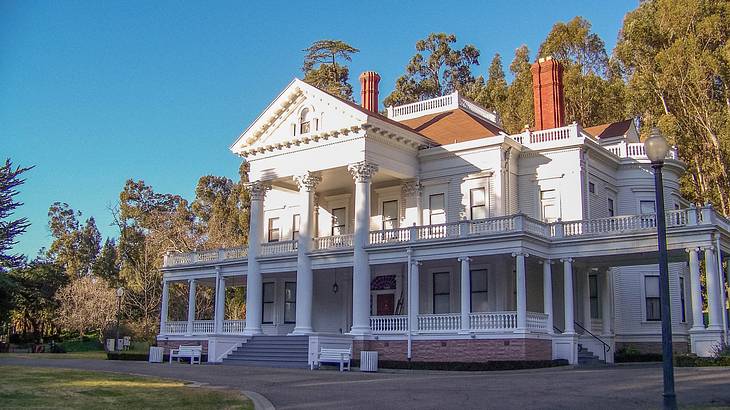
362, 172
414, 307
698, 322
254, 286
713, 290
165, 306
193, 284
411, 191
220, 302
547, 293
465, 293
305, 279
521, 284
568, 296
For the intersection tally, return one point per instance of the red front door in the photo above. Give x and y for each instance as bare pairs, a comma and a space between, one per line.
386, 303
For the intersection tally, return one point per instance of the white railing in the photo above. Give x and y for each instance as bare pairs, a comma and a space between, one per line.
493, 321
235, 253
444, 322
176, 259
389, 324
537, 322
491, 225
390, 236
635, 150
439, 231
203, 326
333, 242
176, 328
278, 248
623, 223
554, 134
234, 326
420, 108
535, 227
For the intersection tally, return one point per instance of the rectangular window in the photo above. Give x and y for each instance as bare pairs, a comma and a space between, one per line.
268, 298
647, 207
651, 288
595, 303
296, 221
681, 299
390, 214
548, 201
591, 187
290, 302
441, 292
478, 279
611, 210
478, 202
437, 209
274, 230
339, 218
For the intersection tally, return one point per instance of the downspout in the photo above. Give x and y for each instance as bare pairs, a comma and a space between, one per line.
723, 293
410, 295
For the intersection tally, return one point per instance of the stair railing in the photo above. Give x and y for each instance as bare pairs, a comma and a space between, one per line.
606, 347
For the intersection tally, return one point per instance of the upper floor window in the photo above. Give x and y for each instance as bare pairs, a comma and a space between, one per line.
651, 290
611, 210
647, 207
478, 202
296, 220
274, 231
591, 187
437, 210
339, 218
390, 214
305, 121
549, 204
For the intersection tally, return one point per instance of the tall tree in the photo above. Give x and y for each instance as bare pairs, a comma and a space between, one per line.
491, 94
435, 70
675, 56
518, 111
106, 265
34, 305
87, 305
74, 247
322, 70
218, 208
10, 180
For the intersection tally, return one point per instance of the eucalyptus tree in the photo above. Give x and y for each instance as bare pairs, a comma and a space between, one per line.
322, 70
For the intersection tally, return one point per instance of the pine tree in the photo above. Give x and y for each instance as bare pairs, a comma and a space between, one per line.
322, 70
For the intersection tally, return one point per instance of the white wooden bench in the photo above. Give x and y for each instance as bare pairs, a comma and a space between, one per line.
192, 352
341, 356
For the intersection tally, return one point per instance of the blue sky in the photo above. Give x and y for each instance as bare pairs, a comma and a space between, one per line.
95, 92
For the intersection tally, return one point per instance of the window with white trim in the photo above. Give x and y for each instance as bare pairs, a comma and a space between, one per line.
595, 302
304, 121
549, 204
441, 292
290, 302
437, 209
390, 214
339, 221
611, 209
274, 230
478, 283
268, 301
651, 293
478, 203
296, 221
682, 302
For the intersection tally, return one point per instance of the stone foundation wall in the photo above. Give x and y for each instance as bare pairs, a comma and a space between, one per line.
460, 350
174, 344
653, 347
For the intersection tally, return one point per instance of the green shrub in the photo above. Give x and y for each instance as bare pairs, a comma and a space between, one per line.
691, 360
629, 354
81, 345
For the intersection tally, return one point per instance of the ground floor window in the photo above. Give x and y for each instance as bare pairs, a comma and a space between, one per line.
651, 288
681, 299
441, 292
595, 303
479, 290
290, 302
268, 298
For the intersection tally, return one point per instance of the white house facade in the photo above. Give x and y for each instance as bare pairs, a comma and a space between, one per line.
432, 235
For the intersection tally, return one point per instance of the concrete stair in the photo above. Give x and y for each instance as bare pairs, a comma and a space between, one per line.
587, 358
272, 351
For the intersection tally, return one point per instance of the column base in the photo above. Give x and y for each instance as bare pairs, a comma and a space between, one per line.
521, 331
565, 346
360, 331
253, 332
302, 331
704, 342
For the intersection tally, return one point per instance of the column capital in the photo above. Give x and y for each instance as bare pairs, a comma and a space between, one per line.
545, 261
464, 258
416, 262
362, 171
710, 248
521, 253
694, 248
569, 260
411, 188
308, 181
258, 189
192, 281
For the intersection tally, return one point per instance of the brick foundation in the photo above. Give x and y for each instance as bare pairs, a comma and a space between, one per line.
174, 344
653, 347
458, 350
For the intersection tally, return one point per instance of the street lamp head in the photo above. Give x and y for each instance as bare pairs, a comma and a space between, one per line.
656, 146
120, 292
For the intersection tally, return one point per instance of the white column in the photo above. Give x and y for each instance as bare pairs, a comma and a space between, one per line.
521, 284
411, 191
698, 322
465, 293
191, 304
568, 295
305, 279
254, 286
165, 303
547, 293
713, 290
362, 172
587, 300
220, 303
414, 300
606, 293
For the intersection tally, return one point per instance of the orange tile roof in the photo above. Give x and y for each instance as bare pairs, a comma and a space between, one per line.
612, 129
453, 126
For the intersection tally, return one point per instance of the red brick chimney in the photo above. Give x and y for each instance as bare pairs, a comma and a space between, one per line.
369, 90
547, 91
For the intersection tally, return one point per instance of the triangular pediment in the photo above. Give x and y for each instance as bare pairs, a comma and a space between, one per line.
299, 110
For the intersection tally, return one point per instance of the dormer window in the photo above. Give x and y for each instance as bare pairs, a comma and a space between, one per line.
305, 121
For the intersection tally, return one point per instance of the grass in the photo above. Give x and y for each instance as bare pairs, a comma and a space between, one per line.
36, 387
96, 355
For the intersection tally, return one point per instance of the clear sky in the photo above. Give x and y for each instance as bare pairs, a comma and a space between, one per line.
96, 92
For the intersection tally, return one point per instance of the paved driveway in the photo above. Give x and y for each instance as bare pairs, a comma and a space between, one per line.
630, 386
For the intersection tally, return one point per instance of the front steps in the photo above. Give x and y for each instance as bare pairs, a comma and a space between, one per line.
272, 351
587, 358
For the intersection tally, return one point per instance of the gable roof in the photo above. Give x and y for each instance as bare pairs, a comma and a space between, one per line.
611, 129
452, 126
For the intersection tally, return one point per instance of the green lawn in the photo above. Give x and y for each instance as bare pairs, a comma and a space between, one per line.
96, 354
37, 387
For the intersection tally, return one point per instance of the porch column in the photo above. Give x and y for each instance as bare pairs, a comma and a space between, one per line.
362, 172
698, 322
164, 308
606, 293
713, 290
254, 287
465, 293
414, 299
568, 295
587, 299
521, 285
411, 191
547, 293
220, 303
307, 184
191, 304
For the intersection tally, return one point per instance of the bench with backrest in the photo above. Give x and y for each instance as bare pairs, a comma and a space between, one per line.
328, 355
192, 352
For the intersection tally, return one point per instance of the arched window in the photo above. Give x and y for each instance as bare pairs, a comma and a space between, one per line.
304, 121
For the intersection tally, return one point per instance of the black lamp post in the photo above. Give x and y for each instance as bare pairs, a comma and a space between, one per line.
120, 293
656, 149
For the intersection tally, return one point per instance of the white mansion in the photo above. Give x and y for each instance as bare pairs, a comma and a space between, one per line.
432, 235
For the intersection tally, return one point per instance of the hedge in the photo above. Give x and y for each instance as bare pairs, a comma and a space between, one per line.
142, 356
469, 366
695, 361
